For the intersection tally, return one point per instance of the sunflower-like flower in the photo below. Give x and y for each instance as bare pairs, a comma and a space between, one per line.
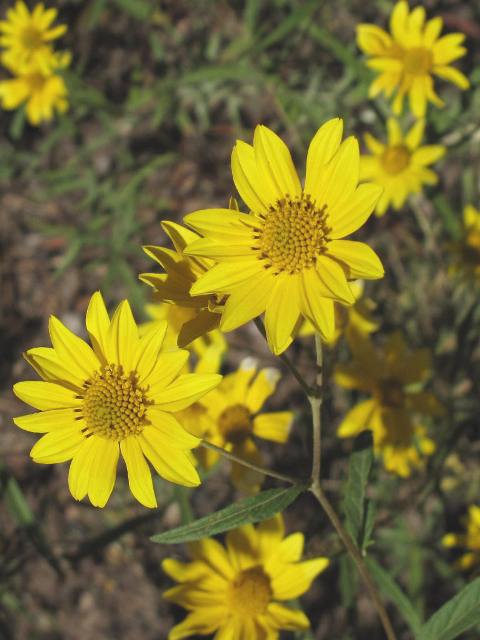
401, 165
193, 316
230, 416
408, 59
27, 36
238, 591
287, 257
43, 92
469, 540
357, 317
391, 376
117, 396
466, 251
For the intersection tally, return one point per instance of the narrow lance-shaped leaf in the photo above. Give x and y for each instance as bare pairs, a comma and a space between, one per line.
390, 588
457, 615
250, 510
354, 504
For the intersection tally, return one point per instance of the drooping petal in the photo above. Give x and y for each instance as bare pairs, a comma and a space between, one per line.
139, 474
171, 463
282, 312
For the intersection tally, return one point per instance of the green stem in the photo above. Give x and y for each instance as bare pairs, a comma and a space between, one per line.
249, 465
315, 400
357, 559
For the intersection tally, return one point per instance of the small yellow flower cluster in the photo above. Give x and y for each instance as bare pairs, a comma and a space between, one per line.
470, 540
26, 39
407, 59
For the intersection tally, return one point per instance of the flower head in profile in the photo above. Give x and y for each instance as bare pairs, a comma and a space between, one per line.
43, 92
117, 396
287, 257
358, 317
410, 56
387, 375
238, 591
193, 316
470, 540
27, 36
231, 416
401, 166
466, 251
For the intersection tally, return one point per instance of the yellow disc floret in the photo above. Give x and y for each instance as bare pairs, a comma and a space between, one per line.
396, 158
250, 593
294, 233
114, 406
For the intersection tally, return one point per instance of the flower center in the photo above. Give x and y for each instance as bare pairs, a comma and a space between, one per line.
31, 38
395, 159
234, 423
250, 593
294, 233
114, 407
417, 61
392, 394
35, 81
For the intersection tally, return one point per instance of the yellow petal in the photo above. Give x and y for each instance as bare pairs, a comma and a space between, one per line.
282, 312
178, 234
315, 307
186, 390
72, 350
57, 446
261, 388
275, 161
273, 426
428, 155
226, 277
295, 579
98, 324
254, 191
323, 146
139, 475
102, 470
149, 346
279, 616
243, 305
171, 463
45, 421
352, 215
452, 75
359, 259
357, 419
333, 278
167, 426
415, 135
339, 177
79, 471
46, 395
166, 369
48, 365
123, 337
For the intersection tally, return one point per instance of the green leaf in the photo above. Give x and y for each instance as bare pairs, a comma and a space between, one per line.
391, 589
460, 613
354, 504
253, 509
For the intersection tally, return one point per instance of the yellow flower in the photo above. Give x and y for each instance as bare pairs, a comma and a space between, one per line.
116, 396
197, 315
44, 92
237, 591
401, 165
469, 540
467, 250
286, 257
408, 59
229, 416
358, 316
388, 375
27, 37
